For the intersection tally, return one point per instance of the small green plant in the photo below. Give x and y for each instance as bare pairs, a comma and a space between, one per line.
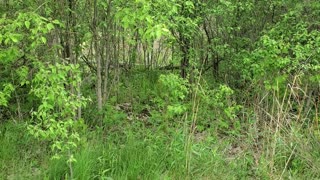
55, 119
5, 94
224, 110
113, 116
171, 98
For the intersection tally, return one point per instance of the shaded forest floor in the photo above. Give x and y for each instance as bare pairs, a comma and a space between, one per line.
136, 138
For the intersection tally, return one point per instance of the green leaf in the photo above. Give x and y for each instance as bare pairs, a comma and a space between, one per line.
27, 24
50, 26
43, 39
56, 22
13, 39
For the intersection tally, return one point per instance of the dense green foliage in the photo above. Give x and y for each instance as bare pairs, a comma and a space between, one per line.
159, 89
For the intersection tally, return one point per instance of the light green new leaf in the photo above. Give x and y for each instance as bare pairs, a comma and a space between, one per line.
27, 24
44, 40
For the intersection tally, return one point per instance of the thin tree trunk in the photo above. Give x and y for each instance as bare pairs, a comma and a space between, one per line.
97, 56
185, 59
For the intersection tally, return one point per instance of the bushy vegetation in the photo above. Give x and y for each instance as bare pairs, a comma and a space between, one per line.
164, 89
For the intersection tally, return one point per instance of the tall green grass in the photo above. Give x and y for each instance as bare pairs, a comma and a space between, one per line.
20, 155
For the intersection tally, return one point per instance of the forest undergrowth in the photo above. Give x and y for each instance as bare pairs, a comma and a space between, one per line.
158, 130
161, 89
